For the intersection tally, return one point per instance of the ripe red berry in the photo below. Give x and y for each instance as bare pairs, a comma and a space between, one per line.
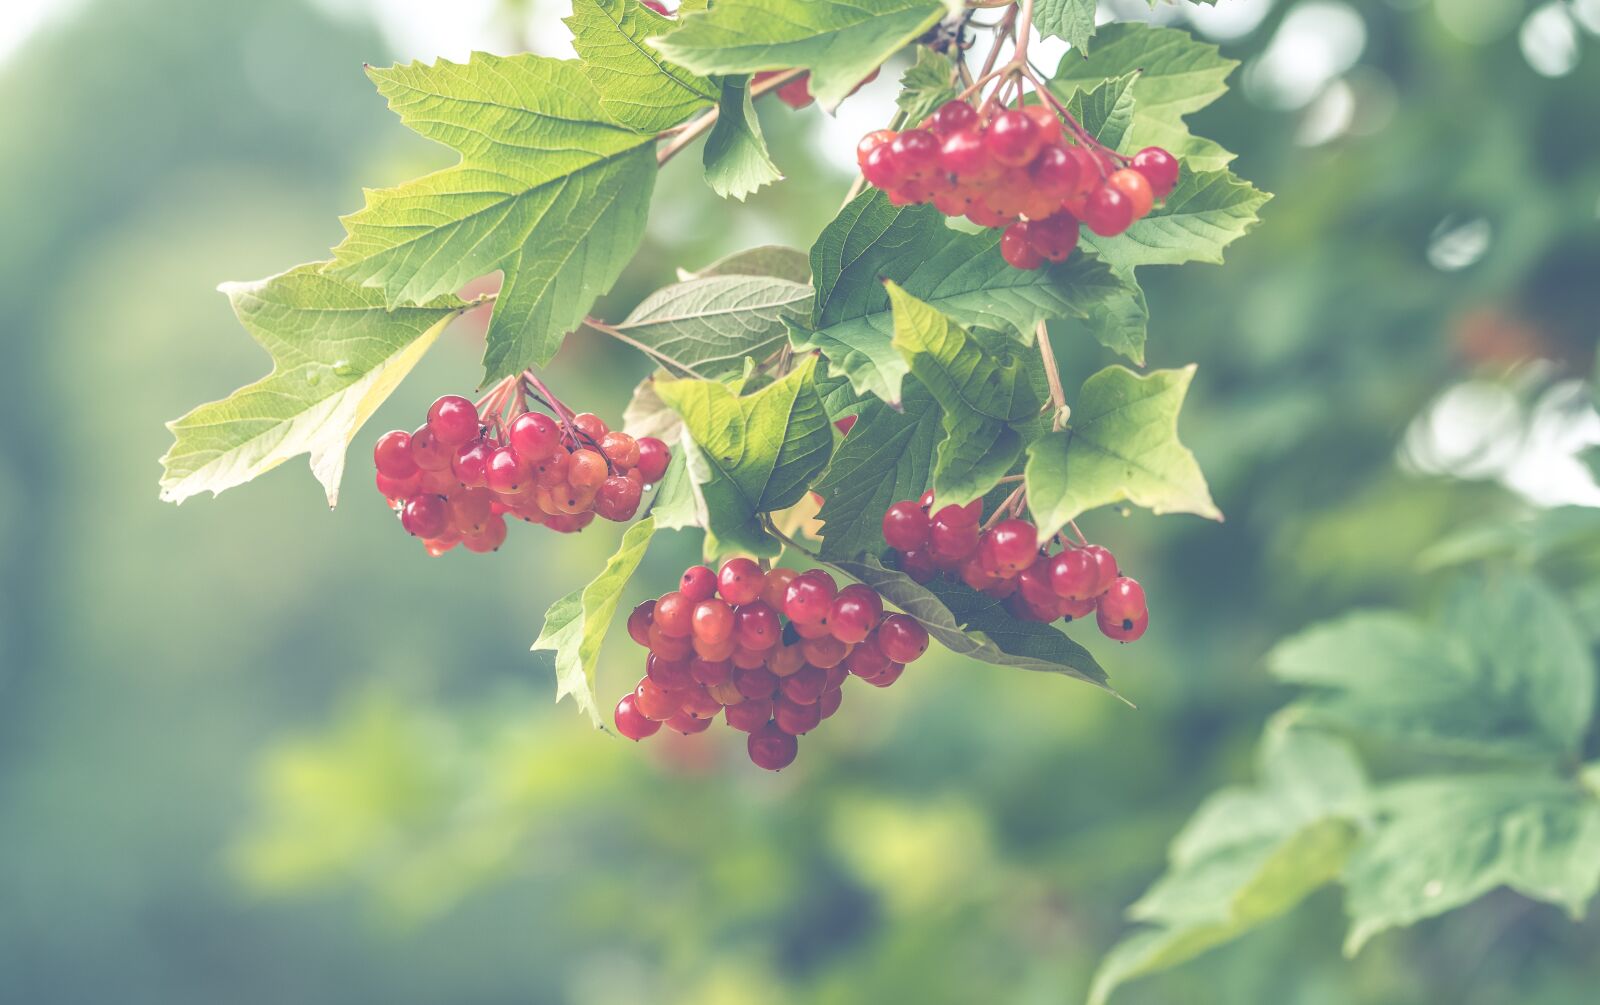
785, 660
829, 702
453, 419
824, 651
740, 581
1105, 568
710, 672
425, 516
1054, 172
631, 722
1055, 236
1159, 168
748, 715
880, 169
982, 215
586, 468
915, 153
1013, 138
1122, 631
687, 724
918, 565
890, 674
953, 115
535, 436
428, 453
771, 748
755, 683
756, 626
618, 498
639, 622
671, 675
1074, 575
951, 537
470, 510
775, 587
653, 459
1108, 212
713, 621
794, 718
905, 526
871, 142
797, 92
591, 426
1136, 187
392, 455
1009, 547
902, 639
397, 490
696, 701
1072, 610
804, 686
1016, 249
1046, 119
698, 583
1123, 601
866, 659
810, 597
674, 615
505, 472
855, 613
654, 701
845, 424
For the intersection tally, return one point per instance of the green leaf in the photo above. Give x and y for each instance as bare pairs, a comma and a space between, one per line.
1120, 318
887, 457
749, 455
1205, 213
1177, 75
961, 274
1070, 20
707, 327
1246, 856
675, 506
736, 158
1106, 112
926, 84
1122, 445
839, 41
982, 391
550, 189
1442, 842
637, 87
576, 624
767, 260
337, 353
1505, 673
977, 625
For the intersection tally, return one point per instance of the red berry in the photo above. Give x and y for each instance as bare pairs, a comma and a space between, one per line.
756, 626
855, 613
824, 651
918, 565
771, 748
902, 639
871, 142
713, 621
755, 683
535, 436
785, 660
453, 419
1009, 547
954, 115
1108, 212
654, 701
1055, 236
794, 718
505, 472
810, 597
1072, 610
710, 672
617, 498
845, 424
631, 722
1135, 186
951, 537
1123, 600
775, 587
671, 675
657, 6
1123, 631
470, 464
905, 526
470, 510
984, 216
639, 623
1045, 118
1033, 583
740, 581
1105, 566
1013, 138
425, 516
797, 92
866, 660
804, 686
698, 702
698, 583
915, 153
1074, 575
1016, 249
829, 702
428, 453
1159, 168
392, 455
687, 724
880, 170
674, 615
591, 426
653, 459
1054, 171
749, 715
396, 490
890, 674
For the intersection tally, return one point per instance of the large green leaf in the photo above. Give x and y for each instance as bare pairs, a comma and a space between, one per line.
550, 189
887, 457
576, 624
1504, 673
1205, 213
839, 41
982, 390
736, 158
977, 625
1122, 445
1106, 112
1070, 20
1442, 842
927, 83
707, 327
1177, 75
960, 274
337, 353
637, 87
749, 455
1246, 856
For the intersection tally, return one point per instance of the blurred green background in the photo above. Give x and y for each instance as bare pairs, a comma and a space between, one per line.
254, 751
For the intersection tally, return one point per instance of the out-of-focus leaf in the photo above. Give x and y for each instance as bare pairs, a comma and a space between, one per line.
736, 158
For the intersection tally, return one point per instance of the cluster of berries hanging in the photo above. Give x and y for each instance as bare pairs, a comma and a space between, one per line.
769, 651
1006, 561
1015, 168
456, 479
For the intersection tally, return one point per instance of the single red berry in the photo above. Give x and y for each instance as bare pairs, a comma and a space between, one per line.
470, 510
866, 659
631, 722
392, 455
746, 659
748, 715
617, 498
797, 92
805, 686
905, 526
890, 674
535, 436
1055, 236
698, 702
674, 615
1072, 610
713, 621
1122, 631
666, 646
771, 748
397, 490
1074, 575
1105, 568
653, 459
810, 597
671, 675
425, 516
428, 453
506, 473
824, 651
1010, 546
902, 639
591, 426
1054, 171
687, 724
1016, 249
710, 672
756, 626
698, 583
951, 537
654, 701
755, 683
639, 623
1047, 121
915, 153
1123, 600
1108, 212
775, 587
871, 142
453, 419
1136, 187
829, 702
880, 169
954, 115
470, 463
1013, 138
794, 718
983, 216
855, 613
918, 565
1159, 168
490, 538
740, 581
1034, 585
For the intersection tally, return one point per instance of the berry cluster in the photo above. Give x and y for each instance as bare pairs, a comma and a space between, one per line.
1006, 561
1014, 168
456, 479
769, 650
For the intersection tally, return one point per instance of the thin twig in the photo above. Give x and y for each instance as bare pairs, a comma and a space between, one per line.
999, 511
1052, 373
